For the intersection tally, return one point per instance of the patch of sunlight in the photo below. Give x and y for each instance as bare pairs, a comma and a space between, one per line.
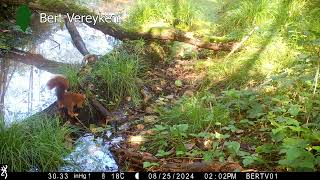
208, 143
136, 140
158, 25
268, 67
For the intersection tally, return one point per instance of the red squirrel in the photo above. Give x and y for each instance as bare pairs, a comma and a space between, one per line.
66, 99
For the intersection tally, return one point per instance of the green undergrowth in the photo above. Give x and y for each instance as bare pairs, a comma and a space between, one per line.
282, 129
72, 74
13, 37
258, 106
286, 29
186, 15
120, 74
37, 142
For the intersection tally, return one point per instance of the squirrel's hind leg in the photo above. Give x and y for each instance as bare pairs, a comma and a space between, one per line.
71, 113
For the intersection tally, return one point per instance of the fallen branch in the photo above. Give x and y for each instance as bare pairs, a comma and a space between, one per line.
316, 77
244, 39
134, 157
88, 59
200, 167
117, 31
35, 60
166, 34
80, 45
85, 127
105, 113
76, 38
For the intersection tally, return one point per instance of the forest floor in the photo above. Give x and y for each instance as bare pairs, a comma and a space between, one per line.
190, 109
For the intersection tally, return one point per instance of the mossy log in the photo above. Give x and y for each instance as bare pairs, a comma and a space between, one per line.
117, 31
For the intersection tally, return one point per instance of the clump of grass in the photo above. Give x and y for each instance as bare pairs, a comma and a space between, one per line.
253, 65
72, 74
278, 14
181, 14
272, 48
35, 142
119, 74
244, 14
199, 112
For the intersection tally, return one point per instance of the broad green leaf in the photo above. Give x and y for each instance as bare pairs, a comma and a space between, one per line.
178, 83
243, 153
208, 156
221, 136
248, 160
299, 159
162, 153
180, 153
291, 121
317, 148
289, 143
194, 153
317, 161
233, 147
278, 134
215, 145
203, 135
180, 149
183, 127
221, 159
231, 128
294, 110
297, 129
256, 111
149, 164
159, 128
246, 121
266, 148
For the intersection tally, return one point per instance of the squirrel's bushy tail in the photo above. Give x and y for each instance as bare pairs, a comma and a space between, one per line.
61, 84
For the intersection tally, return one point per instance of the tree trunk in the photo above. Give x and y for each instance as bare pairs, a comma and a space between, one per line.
4, 69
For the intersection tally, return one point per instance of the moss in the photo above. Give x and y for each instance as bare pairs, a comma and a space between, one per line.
156, 52
65, 6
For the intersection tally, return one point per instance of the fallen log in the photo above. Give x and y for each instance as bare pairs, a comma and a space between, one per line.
90, 59
36, 60
200, 167
117, 31
80, 45
167, 34
137, 158
100, 108
244, 39
76, 38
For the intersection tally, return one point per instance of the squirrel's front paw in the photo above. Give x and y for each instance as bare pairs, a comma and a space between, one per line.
75, 114
71, 114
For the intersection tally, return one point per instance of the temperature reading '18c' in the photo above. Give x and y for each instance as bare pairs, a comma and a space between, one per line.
117, 175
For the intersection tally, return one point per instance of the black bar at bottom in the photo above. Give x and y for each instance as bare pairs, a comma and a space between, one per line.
160, 175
